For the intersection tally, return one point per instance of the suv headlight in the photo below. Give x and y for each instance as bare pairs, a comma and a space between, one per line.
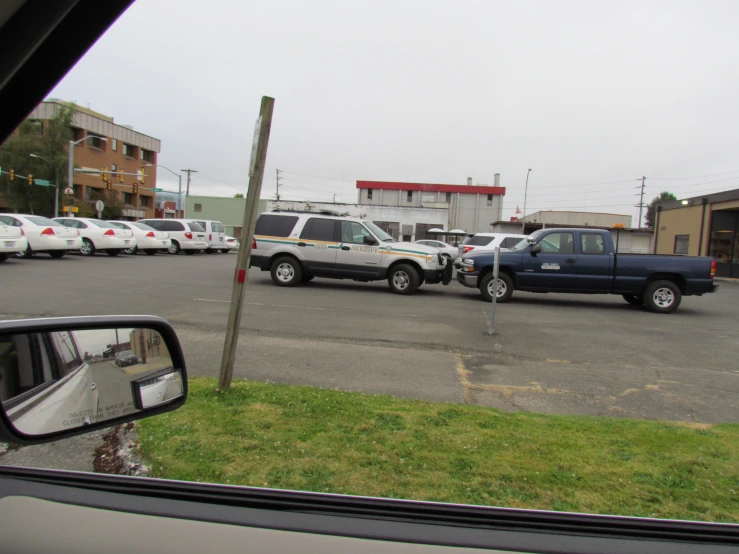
468, 261
430, 257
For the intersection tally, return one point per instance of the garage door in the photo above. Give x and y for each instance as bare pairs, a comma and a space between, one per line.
641, 244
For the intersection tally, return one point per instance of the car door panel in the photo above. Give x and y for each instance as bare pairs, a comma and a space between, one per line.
317, 246
554, 268
594, 263
354, 258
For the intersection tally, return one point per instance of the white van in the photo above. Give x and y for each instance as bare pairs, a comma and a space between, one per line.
215, 234
186, 235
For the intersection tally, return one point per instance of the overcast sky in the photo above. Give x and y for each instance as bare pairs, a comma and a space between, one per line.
429, 91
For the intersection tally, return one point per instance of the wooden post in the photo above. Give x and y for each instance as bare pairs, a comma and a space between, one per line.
259, 156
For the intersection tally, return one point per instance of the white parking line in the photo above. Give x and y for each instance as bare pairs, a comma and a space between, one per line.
306, 307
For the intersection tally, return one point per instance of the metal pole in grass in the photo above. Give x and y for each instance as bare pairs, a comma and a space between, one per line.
496, 267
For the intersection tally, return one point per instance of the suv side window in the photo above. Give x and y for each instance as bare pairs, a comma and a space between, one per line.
275, 225
510, 242
317, 228
171, 226
353, 232
195, 227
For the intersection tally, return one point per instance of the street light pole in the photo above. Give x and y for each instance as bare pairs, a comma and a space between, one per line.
179, 194
55, 185
525, 197
70, 169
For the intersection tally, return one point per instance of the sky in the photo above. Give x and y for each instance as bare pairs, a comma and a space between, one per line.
590, 95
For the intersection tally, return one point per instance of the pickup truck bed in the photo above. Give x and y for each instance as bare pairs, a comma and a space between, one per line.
584, 261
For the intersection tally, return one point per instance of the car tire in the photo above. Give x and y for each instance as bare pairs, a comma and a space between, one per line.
3, 257
131, 251
27, 253
174, 248
150, 252
209, 251
225, 250
403, 279
191, 252
112, 253
505, 287
286, 272
57, 254
88, 248
662, 297
634, 299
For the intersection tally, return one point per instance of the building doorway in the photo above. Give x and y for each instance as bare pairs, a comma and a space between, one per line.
724, 244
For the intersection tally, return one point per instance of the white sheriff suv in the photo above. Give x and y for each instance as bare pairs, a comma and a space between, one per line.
297, 246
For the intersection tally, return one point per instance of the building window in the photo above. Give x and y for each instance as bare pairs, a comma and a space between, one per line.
198, 207
369, 194
113, 167
129, 198
448, 197
147, 156
145, 201
95, 141
33, 127
490, 199
115, 145
77, 134
129, 150
681, 244
410, 196
88, 193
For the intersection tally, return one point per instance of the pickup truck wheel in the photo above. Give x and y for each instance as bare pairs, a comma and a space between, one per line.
505, 287
403, 279
662, 297
286, 272
634, 299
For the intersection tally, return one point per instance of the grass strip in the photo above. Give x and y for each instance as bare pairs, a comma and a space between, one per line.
305, 438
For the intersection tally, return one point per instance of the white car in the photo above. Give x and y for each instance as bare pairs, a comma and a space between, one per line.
447, 249
43, 235
485, 242
12, 241
99, 235
233, 243
147, 238
186, 235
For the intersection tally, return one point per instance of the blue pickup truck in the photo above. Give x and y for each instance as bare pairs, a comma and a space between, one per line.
585, 261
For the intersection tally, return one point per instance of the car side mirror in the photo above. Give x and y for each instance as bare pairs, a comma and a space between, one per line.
369, 240
535, 249
61, 377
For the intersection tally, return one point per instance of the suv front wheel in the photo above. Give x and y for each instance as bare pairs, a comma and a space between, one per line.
286, 272
403, 279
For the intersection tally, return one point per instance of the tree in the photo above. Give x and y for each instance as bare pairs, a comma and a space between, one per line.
652, 207
238, 195
50, 142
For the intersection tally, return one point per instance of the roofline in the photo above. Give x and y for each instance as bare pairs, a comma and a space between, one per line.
574, 212
429, 187
573, 227
713, 198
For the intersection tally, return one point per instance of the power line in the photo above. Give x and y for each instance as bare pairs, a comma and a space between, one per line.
696, 177
316, 176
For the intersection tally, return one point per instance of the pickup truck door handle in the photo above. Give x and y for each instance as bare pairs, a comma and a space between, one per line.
571, 260
302, 244
345, 248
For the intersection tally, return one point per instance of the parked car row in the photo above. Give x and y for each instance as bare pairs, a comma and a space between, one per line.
25, 235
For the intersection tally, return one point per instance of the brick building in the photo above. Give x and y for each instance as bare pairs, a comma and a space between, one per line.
123, 150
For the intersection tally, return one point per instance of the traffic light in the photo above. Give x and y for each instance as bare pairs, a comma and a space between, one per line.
120, 175
142, 175
135, 188
109, 184
12, 174
105, 179
30, 179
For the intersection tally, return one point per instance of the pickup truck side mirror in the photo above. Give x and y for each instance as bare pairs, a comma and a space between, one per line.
535, 249
369, 240
67, 376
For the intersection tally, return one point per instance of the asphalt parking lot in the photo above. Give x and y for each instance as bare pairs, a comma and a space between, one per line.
551, 353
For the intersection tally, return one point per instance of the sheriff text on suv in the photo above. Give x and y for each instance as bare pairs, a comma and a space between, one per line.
297, 246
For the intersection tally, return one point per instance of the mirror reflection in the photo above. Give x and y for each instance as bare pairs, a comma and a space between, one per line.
57, 380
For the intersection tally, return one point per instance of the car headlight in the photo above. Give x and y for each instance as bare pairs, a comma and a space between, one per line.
468, 261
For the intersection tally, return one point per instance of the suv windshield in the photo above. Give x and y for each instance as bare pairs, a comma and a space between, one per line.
196, 227
379, 233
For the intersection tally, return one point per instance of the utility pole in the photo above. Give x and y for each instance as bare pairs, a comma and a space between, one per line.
278, 184
334, 199
251, 209
188, 171
641, 200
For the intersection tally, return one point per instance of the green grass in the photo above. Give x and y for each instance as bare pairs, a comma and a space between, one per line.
305, 438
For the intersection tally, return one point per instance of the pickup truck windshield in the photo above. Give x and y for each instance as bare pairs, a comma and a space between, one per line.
525, 242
